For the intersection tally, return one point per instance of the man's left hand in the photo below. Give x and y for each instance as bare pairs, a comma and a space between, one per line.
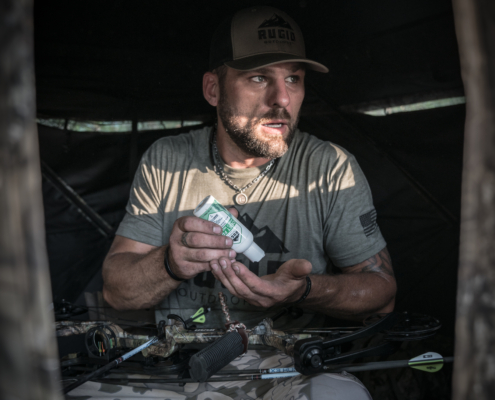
287, 285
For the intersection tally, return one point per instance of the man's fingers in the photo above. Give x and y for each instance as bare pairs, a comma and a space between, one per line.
230, 271
195, 224
252, 281
207, 255
233, 211
217, 270
222, 268
203, 240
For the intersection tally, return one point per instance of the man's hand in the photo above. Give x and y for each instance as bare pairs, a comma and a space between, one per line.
287, 285
193, 243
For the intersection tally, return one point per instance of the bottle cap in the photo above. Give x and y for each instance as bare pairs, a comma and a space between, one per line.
204, 205
254, 252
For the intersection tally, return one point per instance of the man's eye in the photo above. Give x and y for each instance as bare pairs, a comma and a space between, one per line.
258, 78
293, 79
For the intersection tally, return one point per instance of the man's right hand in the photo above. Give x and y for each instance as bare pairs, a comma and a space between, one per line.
193, 243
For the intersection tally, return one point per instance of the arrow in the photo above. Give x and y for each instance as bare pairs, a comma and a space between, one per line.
126, 381
428, 362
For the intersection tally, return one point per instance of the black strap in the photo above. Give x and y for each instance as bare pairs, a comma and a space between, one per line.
168, 269
306, 293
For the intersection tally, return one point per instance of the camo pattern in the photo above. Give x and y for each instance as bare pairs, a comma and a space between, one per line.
175, 335
325, 386
279, 339
68, 328
339, 386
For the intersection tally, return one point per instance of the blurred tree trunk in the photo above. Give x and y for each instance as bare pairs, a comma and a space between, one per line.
474, 372
28, 354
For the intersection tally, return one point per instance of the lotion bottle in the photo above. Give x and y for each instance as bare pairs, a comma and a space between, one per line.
211, 210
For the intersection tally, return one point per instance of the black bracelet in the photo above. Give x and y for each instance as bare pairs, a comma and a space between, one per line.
167, 267
306, 293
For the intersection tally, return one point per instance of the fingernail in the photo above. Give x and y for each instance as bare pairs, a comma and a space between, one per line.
217, 229
231, 254
214, 267
236, 269
223, 263
228, 242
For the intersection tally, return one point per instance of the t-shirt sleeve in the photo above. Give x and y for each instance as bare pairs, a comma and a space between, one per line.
144, 211
351, 230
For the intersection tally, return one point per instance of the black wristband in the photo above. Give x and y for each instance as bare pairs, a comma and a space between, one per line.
167, 267
306, 293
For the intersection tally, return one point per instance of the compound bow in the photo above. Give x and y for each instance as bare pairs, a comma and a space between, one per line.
313, 350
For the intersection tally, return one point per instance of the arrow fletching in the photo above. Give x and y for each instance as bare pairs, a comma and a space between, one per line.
199, 316
429, 362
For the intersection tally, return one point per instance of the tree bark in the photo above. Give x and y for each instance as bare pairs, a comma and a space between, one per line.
29, 365
474, 371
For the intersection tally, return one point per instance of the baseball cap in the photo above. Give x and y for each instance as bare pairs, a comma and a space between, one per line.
257, 37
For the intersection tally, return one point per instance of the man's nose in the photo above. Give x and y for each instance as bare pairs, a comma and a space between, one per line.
278, 94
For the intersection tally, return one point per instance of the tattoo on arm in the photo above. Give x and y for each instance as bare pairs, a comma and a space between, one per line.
379, 263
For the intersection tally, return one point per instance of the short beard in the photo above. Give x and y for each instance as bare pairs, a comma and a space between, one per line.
245, 138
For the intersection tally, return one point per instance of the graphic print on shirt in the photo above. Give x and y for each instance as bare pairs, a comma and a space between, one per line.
265, 238
368, 222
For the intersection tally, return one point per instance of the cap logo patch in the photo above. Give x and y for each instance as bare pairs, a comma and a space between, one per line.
276, 30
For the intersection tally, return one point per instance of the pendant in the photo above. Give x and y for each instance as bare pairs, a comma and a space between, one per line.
240, 199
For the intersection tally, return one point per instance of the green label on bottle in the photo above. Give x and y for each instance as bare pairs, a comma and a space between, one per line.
220, 216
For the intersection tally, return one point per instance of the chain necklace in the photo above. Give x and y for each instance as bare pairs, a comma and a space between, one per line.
240, 197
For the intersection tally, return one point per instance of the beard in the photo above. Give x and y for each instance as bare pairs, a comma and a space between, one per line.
245, 136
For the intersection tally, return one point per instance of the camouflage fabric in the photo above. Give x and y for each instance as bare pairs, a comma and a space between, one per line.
325, 386
175, 335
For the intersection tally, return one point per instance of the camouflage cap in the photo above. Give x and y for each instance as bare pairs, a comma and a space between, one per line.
257, 37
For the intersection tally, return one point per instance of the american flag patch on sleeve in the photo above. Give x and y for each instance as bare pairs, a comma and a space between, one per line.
368, 222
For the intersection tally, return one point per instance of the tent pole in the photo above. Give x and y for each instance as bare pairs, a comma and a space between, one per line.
29, 367
133, 155
474, 375
77, 201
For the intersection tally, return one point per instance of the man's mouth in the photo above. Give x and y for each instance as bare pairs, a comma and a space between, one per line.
275, 124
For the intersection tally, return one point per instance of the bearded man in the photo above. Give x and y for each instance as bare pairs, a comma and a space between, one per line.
305, 200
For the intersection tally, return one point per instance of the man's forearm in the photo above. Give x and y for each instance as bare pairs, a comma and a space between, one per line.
351, 296
136, 281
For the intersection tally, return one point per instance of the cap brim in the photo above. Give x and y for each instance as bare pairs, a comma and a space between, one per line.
264, 60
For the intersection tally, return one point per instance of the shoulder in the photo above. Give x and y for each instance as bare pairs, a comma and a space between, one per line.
179, 146
317, 153
194, 139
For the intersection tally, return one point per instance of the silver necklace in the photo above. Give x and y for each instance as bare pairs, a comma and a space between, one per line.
240, 197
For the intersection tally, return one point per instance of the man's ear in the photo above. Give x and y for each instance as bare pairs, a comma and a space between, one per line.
211, 90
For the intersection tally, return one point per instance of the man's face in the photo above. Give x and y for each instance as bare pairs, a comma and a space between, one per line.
260, 108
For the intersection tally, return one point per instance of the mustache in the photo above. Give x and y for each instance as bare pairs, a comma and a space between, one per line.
281, 113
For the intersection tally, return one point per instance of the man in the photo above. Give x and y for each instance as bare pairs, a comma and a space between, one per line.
305, 200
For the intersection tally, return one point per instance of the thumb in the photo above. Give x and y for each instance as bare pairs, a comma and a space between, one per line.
295, 269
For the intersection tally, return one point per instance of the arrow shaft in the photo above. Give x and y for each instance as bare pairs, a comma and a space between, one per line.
255, 371
120, 381
274, 373
371, 366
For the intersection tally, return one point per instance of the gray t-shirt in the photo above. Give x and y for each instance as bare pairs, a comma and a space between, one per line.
314, 204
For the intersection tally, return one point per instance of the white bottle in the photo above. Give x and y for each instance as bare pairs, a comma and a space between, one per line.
211, 210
